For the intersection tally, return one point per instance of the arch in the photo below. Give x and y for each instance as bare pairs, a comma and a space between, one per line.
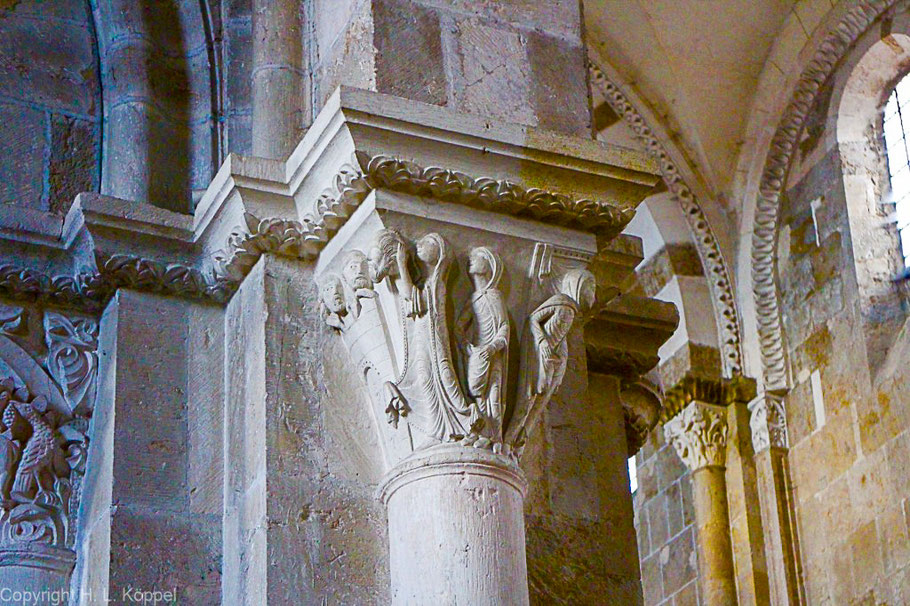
784, 143
856, 122
161, 97
723, 299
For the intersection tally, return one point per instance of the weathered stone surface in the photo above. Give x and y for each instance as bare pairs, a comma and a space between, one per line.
409, 60
22, 131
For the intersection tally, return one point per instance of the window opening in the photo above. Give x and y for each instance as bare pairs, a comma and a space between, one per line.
633, 475
896, 127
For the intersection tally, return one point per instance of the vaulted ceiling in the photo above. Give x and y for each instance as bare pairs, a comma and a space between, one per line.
697, 65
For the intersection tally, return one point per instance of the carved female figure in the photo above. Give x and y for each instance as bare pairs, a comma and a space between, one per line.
546, 352
487, 356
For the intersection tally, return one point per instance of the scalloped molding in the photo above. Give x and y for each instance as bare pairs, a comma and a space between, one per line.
774, 176
712, 260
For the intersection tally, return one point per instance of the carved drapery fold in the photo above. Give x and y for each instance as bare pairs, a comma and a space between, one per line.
389, 306
699, 435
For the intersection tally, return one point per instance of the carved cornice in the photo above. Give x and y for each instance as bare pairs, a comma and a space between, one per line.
768, 422
709, 252
717, 392
91, 290
774, 176
493, 195
355, 181
125, 271
305, 239
699, 435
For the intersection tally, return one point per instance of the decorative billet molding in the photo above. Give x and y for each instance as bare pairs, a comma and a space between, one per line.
699, 435
768, 422
716, 392
709, 252
774, 177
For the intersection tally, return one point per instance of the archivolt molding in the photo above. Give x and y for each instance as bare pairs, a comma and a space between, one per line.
712, 260
785, 140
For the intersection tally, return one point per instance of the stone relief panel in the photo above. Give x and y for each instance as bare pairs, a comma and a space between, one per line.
441, 380
44, 422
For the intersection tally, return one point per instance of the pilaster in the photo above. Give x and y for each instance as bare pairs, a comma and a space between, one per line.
771, 445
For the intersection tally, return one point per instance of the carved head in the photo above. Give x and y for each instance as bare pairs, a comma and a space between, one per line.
382, 255
486, 265
356, 271
579, 284
331, 294
430, 249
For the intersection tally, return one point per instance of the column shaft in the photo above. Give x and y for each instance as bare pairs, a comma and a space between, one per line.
277, 78
716, 574
456, 525
780, 540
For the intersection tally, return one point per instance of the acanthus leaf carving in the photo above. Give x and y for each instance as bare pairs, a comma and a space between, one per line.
698, 433
768, 422
72, 358
12, 319
448, 380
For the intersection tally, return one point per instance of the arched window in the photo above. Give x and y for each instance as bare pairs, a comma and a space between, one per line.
897, 134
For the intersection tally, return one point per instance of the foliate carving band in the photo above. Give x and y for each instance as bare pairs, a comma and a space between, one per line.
768, 422
91, 290
355, 181
699, 435
449, 383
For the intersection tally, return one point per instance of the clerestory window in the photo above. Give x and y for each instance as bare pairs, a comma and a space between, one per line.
896, 127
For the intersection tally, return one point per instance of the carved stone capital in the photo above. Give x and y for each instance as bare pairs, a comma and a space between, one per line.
641, 411
699, 435
768, 422
717, 392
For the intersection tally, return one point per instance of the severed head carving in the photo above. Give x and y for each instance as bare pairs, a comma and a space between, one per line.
356, 272
332, 300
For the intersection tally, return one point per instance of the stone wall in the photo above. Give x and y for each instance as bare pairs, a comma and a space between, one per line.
50, 103
510, 61
847, 411
664, 524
